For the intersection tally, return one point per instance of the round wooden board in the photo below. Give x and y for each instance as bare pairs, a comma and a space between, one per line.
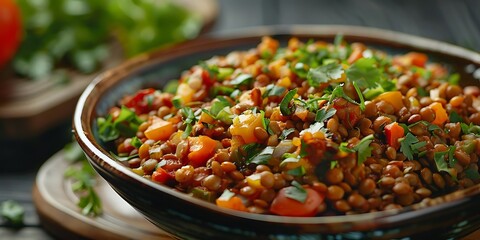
56, 206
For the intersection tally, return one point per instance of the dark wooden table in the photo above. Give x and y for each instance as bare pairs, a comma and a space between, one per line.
456, 22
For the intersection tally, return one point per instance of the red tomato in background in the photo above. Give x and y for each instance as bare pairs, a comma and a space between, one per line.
10, 30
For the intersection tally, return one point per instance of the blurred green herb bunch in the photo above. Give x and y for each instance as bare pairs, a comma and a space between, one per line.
76, 34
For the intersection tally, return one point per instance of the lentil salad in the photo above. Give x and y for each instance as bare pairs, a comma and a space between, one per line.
308, 129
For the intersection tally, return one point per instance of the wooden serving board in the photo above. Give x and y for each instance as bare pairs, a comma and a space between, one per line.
56, 206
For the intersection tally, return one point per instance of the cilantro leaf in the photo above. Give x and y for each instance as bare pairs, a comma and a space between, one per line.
262, 157
12, 212
363, 149
323, 74
454, 117
316, 127
470, 129
338, 92
442, 165
324, 114
472, 174
126, 125
298, 171
273, 90
410, 145
84, 183
296, 192
284, 104
364, 73
242, 79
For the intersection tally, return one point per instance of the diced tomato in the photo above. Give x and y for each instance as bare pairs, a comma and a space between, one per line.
139, 103
10, 30
162, 176
207, 79
394, 132
347, 112
417, 59
284, 206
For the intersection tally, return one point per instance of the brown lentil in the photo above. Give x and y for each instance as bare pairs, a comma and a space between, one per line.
334, 175
238, 157
335, 192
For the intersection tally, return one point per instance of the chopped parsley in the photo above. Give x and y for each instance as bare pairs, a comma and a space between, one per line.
363, 149
242, 79
410, 145
262, 157
442, 164
364, 73
296, 192
323, 74
324, 114
126, 125
454, 117
12, 212
83, 184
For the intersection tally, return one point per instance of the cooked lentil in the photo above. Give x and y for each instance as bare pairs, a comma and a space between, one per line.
308, 123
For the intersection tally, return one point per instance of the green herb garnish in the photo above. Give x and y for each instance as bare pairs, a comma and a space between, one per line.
324, 114
189, 120
285, 109
83, 184
12, 212
323, 74
363, 149
410, 145
262, 157
442, 165
126, 125
296, 192
242, 79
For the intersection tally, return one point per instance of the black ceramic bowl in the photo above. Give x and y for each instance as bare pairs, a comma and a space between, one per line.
183, 216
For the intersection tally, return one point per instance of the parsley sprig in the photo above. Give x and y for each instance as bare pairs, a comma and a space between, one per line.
296, 192
126, 124
410, 145
12, 212
363, 149
83, 180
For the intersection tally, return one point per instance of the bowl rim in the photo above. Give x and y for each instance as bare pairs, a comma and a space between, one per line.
83, 118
